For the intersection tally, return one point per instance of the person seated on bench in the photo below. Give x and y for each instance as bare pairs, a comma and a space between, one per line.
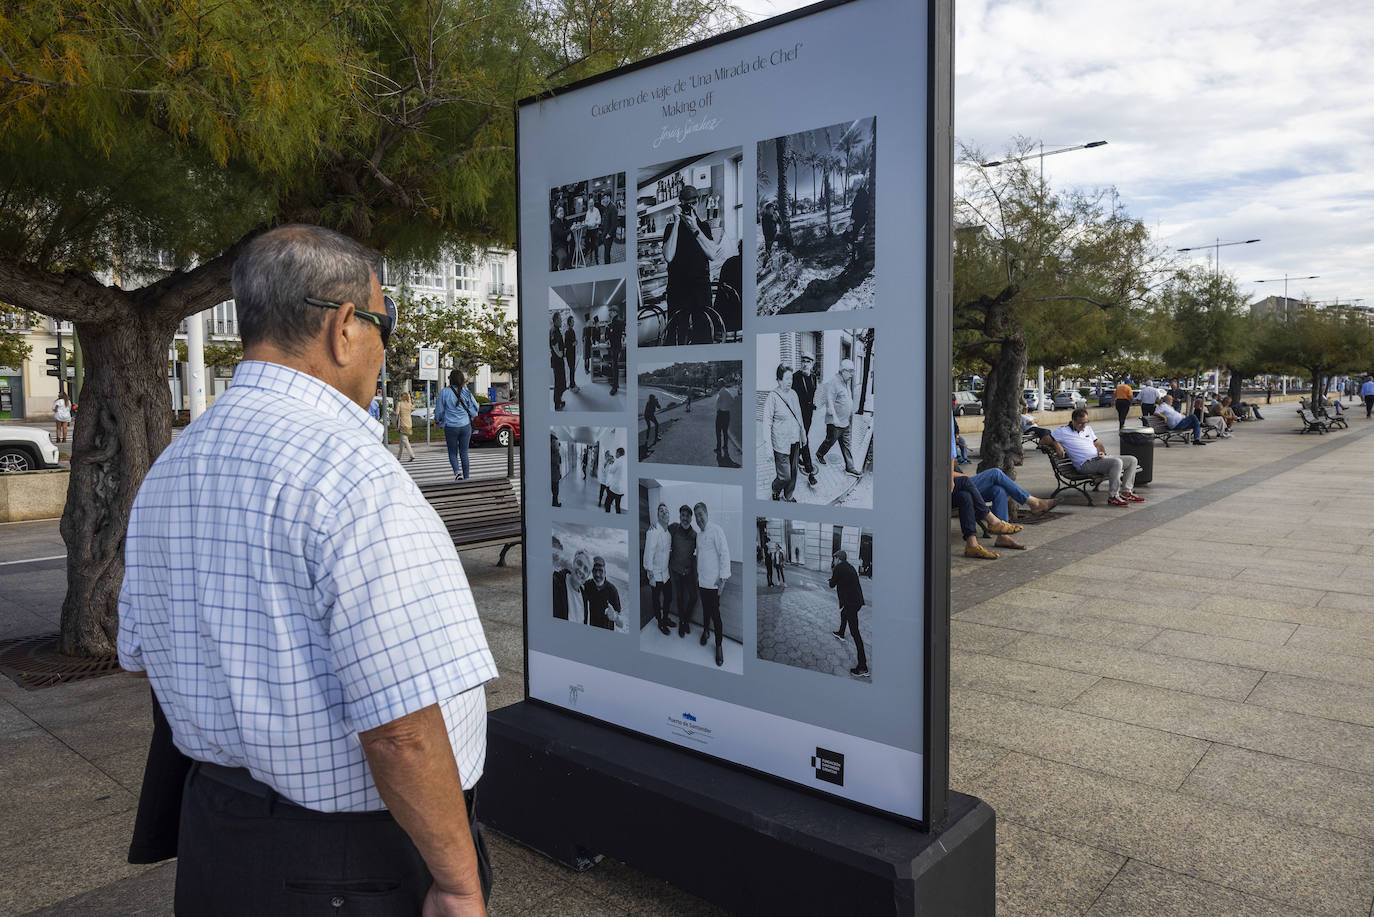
1030, 426
998, 489
962, 455
972, 511
1077, 440
1244, 409
1334, 401
1177, 421
1210, 416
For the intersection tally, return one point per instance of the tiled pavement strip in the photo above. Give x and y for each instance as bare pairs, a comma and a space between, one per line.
1170, 706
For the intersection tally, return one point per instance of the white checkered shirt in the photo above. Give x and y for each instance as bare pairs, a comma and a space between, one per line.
287, 587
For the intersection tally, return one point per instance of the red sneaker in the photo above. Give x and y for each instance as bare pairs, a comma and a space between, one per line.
1133, 498
1117, 501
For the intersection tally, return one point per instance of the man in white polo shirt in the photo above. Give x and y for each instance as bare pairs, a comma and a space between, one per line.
1077, 440
1149, 397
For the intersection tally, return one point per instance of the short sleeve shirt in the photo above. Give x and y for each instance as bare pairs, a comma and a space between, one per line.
287, 587
1077, 443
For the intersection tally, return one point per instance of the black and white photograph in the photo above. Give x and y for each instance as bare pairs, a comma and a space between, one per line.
587, 346
689, 235
815, 397
591, 576
685, 407
589, 467
814, 585
814, 209
587, 223
691, 604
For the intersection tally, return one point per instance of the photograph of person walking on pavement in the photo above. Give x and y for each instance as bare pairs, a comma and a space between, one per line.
688, 406
815, 194
813, 440
691, 252
692, 535
591, 576
813, 610
587, 333
581, 475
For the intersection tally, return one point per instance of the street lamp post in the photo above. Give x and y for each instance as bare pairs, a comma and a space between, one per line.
1285, 278
1040, 376
1218, 245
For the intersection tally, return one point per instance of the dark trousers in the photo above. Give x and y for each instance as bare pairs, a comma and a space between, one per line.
615, 368
1123, 407
834, 434
555, 489
685, 598
969, 502
768, 562
661, 595
805, 455
1368, 405
651, 420
1146, 409
601, 495
245, 850
1190, 422
722, 431
613, 497
710, 610
850, 617
572, 370
560, 384
785, 473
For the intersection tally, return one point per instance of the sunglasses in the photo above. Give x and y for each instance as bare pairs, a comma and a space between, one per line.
384, 322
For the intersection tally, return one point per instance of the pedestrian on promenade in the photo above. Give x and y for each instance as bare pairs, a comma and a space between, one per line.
782, 417
454, 410
726, 399
682, 568
766, 552
839, 411
560, 376
616, 475
405, 406
651, 419
1268, 393
713, 568
779, 563
555, 466
804, 384
62, 414
1123, 398
658, 543
1176, 421
1149, 397
325, 675
570, 353
1077, 440
374, 408
1367, 393
844, 579
586, 451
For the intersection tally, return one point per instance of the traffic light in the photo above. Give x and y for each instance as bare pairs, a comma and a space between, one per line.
55, 361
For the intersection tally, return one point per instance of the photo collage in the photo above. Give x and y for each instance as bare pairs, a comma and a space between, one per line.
676, 379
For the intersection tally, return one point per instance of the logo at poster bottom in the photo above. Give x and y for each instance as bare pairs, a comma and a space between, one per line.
829, 766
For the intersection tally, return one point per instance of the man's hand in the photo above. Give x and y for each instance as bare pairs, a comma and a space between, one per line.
439, 903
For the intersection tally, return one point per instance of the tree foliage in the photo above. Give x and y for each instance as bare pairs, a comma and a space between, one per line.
1318, 341
468, 334
14, 346
1207, 323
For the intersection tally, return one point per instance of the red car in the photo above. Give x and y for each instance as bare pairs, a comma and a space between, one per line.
499, 422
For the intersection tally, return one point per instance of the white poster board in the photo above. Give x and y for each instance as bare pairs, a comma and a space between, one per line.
429, 364
716, 269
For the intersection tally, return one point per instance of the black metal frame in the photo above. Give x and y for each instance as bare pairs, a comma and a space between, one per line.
939, 290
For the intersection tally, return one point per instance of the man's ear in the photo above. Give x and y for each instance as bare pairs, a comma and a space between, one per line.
340, 330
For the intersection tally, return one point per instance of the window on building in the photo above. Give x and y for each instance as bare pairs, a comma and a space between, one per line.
426, 277
464, 277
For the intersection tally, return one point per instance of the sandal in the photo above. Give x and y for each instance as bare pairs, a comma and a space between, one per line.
979, 552
1009, 544
1002, 528
1046, 506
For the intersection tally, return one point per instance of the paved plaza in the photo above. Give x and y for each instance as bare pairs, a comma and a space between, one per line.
1170, 706
796, 624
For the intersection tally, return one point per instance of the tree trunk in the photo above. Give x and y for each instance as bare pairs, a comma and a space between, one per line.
125, 422
1001, 405
784, 220
1233, 387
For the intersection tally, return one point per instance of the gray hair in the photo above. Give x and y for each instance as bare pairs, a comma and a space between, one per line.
280, 268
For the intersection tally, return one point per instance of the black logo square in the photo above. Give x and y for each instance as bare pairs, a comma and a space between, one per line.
829, 766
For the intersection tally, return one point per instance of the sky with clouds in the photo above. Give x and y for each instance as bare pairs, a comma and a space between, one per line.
1231, 120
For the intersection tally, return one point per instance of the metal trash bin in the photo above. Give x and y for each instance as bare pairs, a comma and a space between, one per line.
1140, 444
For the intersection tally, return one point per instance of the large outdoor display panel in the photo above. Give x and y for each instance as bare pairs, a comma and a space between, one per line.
724, 275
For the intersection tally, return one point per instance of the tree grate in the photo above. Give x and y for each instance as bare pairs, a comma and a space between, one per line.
1025, 518
34, 663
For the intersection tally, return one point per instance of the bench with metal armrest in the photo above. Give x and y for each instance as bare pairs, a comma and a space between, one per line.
478, 513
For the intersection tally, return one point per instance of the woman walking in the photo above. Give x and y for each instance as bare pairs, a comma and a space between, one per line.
62, 415
404, 407
454, 410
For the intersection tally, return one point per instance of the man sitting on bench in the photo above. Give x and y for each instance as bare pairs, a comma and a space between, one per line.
1177, 421
1077, 440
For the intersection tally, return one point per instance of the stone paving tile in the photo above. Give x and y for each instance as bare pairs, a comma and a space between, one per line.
1315, 697
1242, 850
969, 760
1095, 569
1140, 888
521, 879
1089, 628
1308, 794
623, 890
145, 894
45, 867
96, 717
1327, 640
1209, 678
49, 788
979, 638
1328, 666
1278, 732
1347, 601
1119, 749
1244, 588
1334, 618
796, 624
1164, 595
1026, 680
1041, 874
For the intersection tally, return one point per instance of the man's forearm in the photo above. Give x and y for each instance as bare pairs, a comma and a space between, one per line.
413, 766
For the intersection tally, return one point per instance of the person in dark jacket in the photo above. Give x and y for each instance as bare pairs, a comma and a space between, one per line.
769, 218
603, 599
729, 290
804, 384
555, 466
570, 353
591, 334
615, 339
689, 249
844, 579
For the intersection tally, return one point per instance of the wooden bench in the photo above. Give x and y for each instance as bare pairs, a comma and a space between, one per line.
1068, 477
478, 513
1160, 427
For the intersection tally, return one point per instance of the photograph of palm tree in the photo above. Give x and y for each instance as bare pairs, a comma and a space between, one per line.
815, 193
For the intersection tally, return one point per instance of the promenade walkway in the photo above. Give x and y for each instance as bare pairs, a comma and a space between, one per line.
1170, 706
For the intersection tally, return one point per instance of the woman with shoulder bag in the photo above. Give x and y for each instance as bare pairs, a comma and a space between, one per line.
404, 407
454, 410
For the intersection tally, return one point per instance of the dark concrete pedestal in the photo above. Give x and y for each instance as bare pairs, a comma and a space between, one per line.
573, 789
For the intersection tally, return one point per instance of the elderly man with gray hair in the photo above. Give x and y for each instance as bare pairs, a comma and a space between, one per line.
839, 412
305, 622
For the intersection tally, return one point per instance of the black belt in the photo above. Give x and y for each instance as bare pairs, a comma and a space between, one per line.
240, 779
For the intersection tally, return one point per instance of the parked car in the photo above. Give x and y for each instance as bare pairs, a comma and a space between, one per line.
1106, 398
1032, 397
26, 449
499, 422
1067, 400
967, 403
